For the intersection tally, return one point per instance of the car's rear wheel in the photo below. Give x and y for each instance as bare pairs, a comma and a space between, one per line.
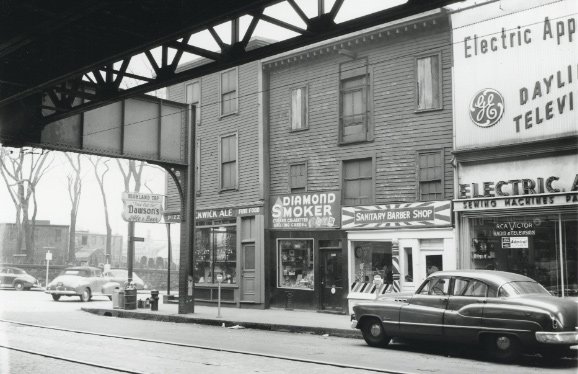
502, 348
19, 286
86, 295
55, 297
373, 333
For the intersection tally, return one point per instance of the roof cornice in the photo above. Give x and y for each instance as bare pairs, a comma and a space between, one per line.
391, 30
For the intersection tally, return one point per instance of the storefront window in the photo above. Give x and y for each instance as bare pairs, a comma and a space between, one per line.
542, 247
295, 263
216, 253
372, 258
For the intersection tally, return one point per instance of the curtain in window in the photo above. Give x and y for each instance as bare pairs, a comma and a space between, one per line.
298, 109
428, 82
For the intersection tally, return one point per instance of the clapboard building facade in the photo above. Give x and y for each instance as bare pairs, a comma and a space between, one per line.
229, 190
360, 173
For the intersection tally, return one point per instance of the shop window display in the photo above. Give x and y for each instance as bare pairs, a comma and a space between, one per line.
542, 247
216, 253
295, 263
372, 258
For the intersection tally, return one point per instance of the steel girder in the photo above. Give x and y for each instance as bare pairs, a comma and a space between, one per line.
98, 82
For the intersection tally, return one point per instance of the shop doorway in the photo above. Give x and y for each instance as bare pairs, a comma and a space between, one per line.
431, 262
331, 270
248, 273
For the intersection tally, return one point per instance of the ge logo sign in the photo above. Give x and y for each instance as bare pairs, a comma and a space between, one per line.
487, 107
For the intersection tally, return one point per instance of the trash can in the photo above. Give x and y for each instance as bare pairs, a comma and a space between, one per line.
130, 299
117, 299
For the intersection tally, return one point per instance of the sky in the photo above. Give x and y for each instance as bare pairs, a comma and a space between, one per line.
54, 204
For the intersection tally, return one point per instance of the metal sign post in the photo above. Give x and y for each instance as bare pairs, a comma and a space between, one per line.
219, 281
48, 258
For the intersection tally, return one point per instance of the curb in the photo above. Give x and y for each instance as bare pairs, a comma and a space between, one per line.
121, 313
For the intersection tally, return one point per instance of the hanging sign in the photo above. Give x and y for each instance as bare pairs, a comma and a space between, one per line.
141, 207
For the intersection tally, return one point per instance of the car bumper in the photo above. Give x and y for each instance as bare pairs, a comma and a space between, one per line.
562, 337
62, 292
353, 322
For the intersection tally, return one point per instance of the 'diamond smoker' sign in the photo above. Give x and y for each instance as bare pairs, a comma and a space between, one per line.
142, 207
319, 210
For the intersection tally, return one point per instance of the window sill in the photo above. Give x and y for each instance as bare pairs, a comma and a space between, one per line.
233, 189
215, 285
298, 130
417, 111
223, 116
356, 142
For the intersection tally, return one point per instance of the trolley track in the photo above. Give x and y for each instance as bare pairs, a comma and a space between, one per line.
175, 344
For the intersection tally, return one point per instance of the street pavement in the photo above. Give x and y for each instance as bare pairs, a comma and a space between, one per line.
274, 319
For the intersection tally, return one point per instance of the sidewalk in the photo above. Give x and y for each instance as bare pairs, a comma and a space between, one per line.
296, 321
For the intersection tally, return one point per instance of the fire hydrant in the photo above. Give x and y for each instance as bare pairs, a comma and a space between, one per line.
154, 300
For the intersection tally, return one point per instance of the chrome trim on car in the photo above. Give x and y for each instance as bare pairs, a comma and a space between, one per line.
557, 337
61, 292
456, 326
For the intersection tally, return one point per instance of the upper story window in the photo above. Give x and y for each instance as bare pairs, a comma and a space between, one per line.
193, 97
429, 89
298, 177
299, 109
229, 97
228, 157
354, 86
357, 183
430, 175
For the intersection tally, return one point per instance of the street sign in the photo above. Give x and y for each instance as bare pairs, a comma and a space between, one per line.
172, 217
48, 256
141, 207
137, 239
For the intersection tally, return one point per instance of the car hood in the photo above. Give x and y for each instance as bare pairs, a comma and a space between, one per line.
69, 280
565, 309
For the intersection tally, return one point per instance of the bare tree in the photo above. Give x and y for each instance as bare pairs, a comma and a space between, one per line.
22, 169
74, 183
101, 168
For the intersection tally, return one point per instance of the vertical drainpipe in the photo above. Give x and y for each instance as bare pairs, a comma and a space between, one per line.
263, 134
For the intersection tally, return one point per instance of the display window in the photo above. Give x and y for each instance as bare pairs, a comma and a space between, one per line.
216, 253
295, 263
542, 247
370, 259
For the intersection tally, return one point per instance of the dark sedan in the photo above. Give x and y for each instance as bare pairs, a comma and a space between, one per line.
506, 313
16, 278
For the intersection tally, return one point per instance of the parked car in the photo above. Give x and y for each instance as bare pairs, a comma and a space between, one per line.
82, 281
120, 276
505, 313
16, 278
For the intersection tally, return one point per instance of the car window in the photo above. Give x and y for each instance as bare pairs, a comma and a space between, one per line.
440, 287
424, 290
460, 285
18, 271
476, 289
522, 288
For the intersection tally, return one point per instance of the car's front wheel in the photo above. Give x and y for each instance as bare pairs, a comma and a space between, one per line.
19, 286
55, 297
373, 333
85, 296
502, 347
